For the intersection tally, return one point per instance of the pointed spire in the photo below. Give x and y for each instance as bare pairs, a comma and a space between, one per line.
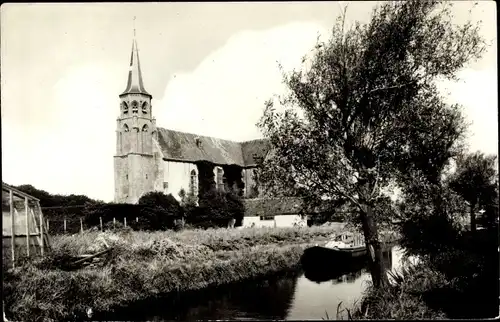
134, 82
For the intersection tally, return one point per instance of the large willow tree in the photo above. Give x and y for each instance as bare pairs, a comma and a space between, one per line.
367, 109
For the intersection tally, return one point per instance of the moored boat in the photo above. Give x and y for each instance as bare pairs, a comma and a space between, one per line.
341, 248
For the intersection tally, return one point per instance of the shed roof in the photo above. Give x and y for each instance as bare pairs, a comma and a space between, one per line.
272, 206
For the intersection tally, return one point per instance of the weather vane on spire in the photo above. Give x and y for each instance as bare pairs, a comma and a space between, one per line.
134, 26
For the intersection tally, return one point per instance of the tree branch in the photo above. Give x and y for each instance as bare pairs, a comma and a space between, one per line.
375, 186
386, 88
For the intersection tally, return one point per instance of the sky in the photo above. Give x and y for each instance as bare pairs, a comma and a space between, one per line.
209, 66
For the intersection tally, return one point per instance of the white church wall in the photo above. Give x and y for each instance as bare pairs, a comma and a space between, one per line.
177, 176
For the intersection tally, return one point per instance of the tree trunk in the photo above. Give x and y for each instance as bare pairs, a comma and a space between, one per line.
472, 218
373, 245
373, 248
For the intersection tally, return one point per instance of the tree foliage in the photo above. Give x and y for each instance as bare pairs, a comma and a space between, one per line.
216, 209
430, 218
366, 111
187, 199
159, 199
476, 181
160, 210
55, 200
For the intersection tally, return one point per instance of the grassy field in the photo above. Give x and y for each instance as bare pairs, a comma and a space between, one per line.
146, 264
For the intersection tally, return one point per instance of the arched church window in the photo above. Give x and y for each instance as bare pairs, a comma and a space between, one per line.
145, 107
125, 128
145, 128
125, 107
135, 107
193, 183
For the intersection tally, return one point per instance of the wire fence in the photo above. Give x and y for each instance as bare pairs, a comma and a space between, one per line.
72, 225
71, 220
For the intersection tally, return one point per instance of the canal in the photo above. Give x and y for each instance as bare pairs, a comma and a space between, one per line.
295, 295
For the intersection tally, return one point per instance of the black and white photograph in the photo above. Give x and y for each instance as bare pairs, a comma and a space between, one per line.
287, 160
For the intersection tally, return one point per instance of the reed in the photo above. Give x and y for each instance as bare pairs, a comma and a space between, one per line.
403, 299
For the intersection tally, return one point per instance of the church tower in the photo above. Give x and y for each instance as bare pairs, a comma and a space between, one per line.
134, 162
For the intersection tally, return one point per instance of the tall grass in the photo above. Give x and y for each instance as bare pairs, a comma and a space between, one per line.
404, 298
217, 239
147, 264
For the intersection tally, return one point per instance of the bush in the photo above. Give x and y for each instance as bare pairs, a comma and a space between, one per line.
161, 211
159, 199
157, 218
428, 235
150, 217
216, 209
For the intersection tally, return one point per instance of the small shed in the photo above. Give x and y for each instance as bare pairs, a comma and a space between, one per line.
24, 230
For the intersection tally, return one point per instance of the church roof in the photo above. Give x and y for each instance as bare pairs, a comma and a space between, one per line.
190, 147
135, 84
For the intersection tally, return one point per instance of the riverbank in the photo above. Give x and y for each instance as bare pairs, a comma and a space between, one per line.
404, 299
460, 283
145, 265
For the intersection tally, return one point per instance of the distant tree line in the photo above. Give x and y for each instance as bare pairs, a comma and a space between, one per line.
56, 200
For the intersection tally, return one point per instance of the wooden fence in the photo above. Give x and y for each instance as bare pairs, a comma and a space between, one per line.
23, 227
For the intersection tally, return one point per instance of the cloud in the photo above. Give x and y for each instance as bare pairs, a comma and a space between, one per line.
224, 96
476, 91
73, 151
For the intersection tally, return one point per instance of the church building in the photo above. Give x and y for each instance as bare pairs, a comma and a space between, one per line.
151, 158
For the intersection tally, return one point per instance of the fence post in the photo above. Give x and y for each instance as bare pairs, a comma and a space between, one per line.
81, 225
114, 223
48, 225
41, 229
65, 225
12, 237
136, 219
125, 221
26, 211
100, 221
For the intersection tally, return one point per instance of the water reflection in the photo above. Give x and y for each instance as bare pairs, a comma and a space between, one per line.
316, 270
296, 296
315, 298
265, 299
